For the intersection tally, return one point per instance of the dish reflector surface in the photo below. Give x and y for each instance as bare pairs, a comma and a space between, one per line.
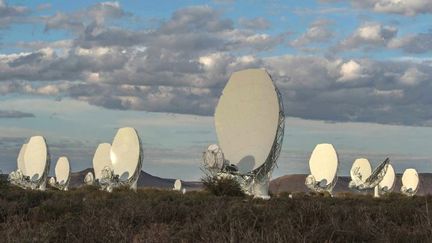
126, 153
62, 170
101, 159
35, 157
177, 185
410, 179
323, 162
247, 118
389, 178
361, 167
20, 159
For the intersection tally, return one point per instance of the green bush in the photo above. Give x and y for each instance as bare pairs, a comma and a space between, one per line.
222, 186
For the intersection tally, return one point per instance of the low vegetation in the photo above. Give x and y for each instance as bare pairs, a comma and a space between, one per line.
90, 215
222, 186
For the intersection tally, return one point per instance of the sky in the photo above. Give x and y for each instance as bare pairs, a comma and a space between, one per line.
353, 73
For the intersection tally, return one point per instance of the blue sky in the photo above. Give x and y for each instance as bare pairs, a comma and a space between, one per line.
354, 73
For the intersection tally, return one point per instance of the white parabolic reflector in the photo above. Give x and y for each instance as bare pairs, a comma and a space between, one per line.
62, 170
389, 178
323, 162
126, 153
177, 185
362, 167
20, 159
35, 157
247, 118
410, 179
101, 159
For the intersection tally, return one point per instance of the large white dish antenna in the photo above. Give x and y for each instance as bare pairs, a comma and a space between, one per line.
387, 183
20, 159
410, 182
101, 159
33, 163
247, 119
36, 158
323, 165
126, 154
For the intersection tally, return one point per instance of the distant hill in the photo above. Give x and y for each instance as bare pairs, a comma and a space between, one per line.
145, 180
295, 183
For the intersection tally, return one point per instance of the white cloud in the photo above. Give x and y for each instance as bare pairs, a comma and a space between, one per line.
350, 70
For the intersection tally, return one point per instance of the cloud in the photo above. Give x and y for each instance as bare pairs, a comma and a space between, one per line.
369, 35
404, 7
182, 65
11, 14
258, 23
350, 70
362, 90
414, 44
95, 15
14, 114
318, 31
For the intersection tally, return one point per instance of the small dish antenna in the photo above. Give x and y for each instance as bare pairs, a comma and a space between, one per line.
249, 120
387, 183
177, 185
362, 176
410, 182
33, 164
101, 160
62, 174
323, 165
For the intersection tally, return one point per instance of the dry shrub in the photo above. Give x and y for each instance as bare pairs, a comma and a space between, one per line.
87, 215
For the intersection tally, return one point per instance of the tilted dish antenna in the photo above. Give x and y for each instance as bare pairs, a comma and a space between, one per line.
249, 123
62, 174
101, 160
388, 181
35, 161
410, 182
323, 165
361, 176
177, 185
126, 158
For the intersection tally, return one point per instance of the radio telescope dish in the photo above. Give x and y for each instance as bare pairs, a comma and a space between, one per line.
126, 159
323, 165
35, 161
247, 119
177, 185
213, 157
410, 182
101, 160
387, 183
20, 159
249, 123
362, 176
62, 174
360, 171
